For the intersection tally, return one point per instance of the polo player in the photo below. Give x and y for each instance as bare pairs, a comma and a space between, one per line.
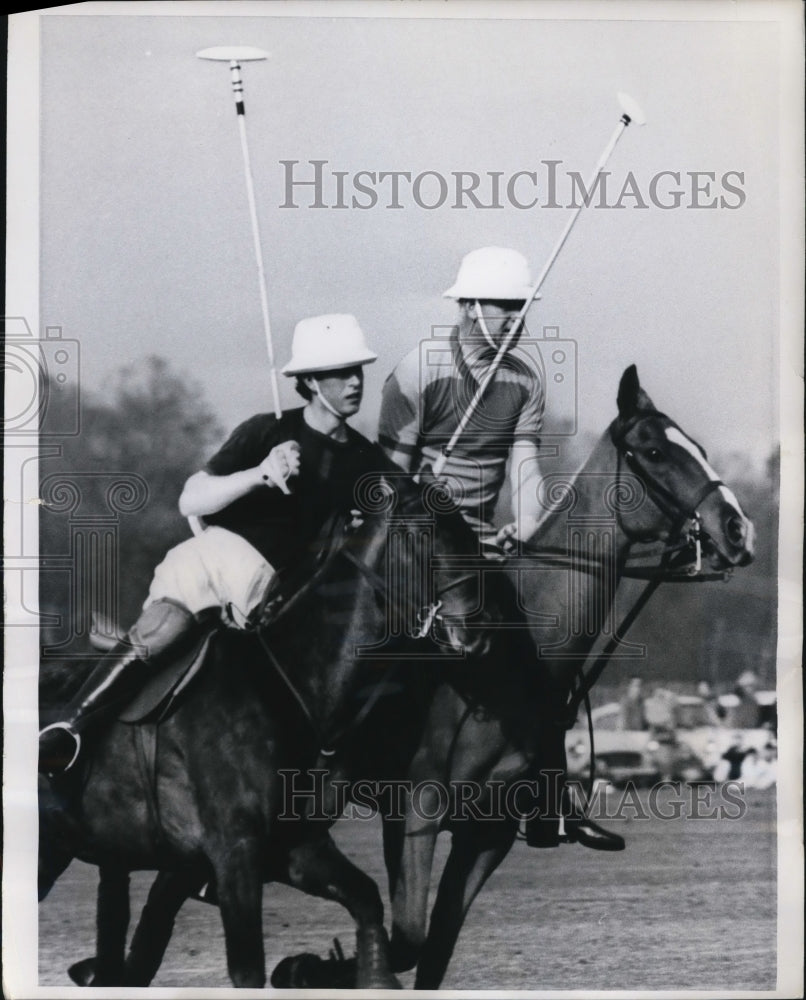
255, 525
421, 408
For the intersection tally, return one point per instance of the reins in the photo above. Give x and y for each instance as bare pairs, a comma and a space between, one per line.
664, 572
425, 615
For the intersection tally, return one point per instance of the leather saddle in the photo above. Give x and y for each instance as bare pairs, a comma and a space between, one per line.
161, 693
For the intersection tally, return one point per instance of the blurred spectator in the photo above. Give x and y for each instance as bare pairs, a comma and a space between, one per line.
747, 713
632, 706
715, 713
735, 755
659, 711
759, 769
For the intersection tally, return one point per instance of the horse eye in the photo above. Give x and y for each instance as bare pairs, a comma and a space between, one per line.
654, 455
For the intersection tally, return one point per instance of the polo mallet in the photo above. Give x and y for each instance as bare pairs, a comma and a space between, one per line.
235, 55
631, 113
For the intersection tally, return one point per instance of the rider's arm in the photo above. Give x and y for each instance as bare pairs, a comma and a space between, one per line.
399, 421
524, 473
205, 493
249, 459
524, 468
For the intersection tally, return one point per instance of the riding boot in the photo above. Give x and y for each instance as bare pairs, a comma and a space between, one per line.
543, 830
581, 830
164, 629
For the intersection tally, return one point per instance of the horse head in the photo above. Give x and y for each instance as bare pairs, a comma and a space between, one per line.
427, 557
683, 492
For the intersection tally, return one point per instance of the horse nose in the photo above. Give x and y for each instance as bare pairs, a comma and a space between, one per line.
740, 534
469, 641
478, 645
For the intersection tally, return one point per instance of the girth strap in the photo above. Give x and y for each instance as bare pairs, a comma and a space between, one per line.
145, 744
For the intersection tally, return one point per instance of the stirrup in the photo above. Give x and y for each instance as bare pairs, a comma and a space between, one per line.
76, 739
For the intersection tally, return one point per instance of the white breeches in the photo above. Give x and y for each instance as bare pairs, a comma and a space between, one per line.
216, 567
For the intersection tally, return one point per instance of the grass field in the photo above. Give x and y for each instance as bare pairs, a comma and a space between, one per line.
691, 904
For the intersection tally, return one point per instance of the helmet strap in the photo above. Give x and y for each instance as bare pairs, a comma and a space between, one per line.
324, 402
485, 332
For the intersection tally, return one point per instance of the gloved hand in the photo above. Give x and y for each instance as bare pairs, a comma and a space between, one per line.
507, 537
517, 531
281, 463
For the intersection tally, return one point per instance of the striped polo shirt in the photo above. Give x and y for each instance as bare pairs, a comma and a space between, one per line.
425, 397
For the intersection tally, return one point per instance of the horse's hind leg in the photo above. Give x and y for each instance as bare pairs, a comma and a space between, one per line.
476, 852
320, 869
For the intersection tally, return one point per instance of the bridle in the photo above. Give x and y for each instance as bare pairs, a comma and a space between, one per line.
684, 518
681, 558
685, 536
426, 615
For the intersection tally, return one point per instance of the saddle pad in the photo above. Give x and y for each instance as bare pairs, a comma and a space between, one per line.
158, 694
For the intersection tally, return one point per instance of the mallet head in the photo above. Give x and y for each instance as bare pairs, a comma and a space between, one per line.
632, 109
233, 53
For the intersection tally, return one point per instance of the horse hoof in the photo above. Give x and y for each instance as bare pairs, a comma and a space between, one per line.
83, 973
308, 971
295, 972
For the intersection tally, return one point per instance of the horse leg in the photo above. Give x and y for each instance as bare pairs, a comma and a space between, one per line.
239, 882
58, 837
320, 869
51, 864
474, 856
410, 847
112, 924
155, 926
151, 936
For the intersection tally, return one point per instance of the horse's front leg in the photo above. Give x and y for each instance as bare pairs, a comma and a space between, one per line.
112, 925
318, 868
155, 926
106, 967
152, 934
58, 836
239, 883
409, 854
477, 850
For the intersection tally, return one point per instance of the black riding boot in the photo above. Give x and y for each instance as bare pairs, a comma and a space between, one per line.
164, 629
543, 830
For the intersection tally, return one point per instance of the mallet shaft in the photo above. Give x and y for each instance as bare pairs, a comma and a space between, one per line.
237, 89
439, 465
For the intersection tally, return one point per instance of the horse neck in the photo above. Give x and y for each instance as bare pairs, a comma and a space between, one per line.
583, 498
341, 614
585, 528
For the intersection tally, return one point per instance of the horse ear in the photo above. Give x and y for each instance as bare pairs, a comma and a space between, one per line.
628, 391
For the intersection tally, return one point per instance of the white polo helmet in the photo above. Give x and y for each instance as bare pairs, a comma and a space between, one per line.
492, 273
327, 343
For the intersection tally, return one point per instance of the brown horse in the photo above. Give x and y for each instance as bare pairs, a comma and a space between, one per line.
646, 480
204, 794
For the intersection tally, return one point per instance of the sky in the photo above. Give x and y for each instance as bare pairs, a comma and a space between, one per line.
145, 239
